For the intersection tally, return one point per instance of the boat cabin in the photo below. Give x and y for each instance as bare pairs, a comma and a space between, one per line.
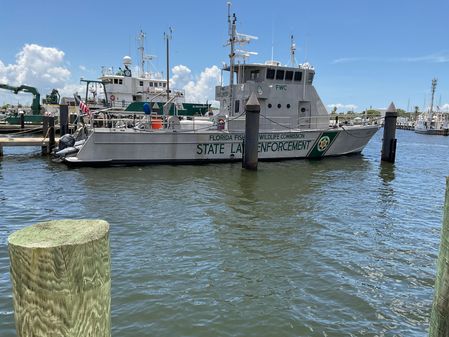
124, 88
286, 95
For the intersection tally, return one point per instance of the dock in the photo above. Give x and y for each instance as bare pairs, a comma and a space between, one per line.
44, 143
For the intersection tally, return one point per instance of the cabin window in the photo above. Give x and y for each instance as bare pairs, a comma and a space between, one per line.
141, 83
164, 84
134, 98
151, 84
254, 75
288, 106
115, 80
310, 77
288, 75
237, 106
279, 106
280, 74
120, 81
269, 105
298, 76
270, 73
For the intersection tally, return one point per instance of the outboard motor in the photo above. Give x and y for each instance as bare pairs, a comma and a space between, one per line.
66, 141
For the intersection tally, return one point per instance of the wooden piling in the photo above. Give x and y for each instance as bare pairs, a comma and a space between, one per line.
439, 319
45, 126
22, 120
251, 146
51, 134
63, 119
61, 278
389, 140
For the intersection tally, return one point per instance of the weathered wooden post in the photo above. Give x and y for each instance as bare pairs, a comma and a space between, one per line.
61, 278
51, 133
63, 119
439, 319
22, 120
389, 140
45, 126
250, 149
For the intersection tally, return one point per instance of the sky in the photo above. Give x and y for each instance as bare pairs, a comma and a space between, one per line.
366, 53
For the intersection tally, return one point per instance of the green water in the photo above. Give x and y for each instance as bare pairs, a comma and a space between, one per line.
339, 247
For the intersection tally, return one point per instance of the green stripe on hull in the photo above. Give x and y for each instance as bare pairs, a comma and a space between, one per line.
190, 109
322, 144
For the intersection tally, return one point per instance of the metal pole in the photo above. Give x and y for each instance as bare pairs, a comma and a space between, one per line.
251, 145
389, 140
168, 68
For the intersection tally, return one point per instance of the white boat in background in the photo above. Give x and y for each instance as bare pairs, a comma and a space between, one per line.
128, 89
294, 122
433, 122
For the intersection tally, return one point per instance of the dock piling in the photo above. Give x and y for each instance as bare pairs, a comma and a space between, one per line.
51, 134
389, 139
250, 149
22, 120
63, 119
61, 279
439, 319
48, 130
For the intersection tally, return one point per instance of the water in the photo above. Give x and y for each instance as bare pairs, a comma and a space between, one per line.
339, 247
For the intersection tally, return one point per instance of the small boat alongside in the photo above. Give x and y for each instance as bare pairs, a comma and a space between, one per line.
294, 123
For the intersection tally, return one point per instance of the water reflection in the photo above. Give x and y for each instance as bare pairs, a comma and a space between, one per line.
387, 172
218, 249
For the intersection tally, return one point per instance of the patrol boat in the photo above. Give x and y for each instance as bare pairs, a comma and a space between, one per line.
294, 122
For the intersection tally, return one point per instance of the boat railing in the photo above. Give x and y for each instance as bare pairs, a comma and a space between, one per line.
152, 122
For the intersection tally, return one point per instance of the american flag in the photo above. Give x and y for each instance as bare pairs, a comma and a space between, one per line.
83, 107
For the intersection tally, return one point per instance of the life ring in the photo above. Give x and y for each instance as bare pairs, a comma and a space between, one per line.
221, 121
112, 97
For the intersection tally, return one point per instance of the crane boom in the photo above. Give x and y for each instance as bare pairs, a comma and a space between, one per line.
35, 104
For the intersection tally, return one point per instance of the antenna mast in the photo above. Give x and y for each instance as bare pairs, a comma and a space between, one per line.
434, 85
141, 48
167, 38
292, 51
241, 40
232, 34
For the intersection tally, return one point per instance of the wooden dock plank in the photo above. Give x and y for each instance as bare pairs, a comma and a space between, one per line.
24, 141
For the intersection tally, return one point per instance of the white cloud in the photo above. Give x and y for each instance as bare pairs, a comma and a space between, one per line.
199, 88
343, 107
445, 107
37, 66
348, 60
442, 57
82, 68
69, 89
